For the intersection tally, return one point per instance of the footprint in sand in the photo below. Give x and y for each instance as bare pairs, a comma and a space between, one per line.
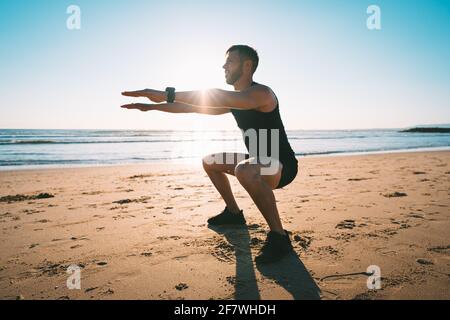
181, 286
108, 292
139, 200
146, 254
231, 280
90, 289
49, 268
91, 193
253, 226
416, 215
123, 201
224, 252
6, 215
303, 241
346, 224
441, 249
79, 238
424, 261
21, 197
328, 250
256, 228
358, 179
395, 194
121, 217
256, 242
31, 211
43, 221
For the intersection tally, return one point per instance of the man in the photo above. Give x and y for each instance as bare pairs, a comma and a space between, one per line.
254, 107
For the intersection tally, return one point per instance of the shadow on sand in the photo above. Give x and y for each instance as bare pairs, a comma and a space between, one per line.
290, 272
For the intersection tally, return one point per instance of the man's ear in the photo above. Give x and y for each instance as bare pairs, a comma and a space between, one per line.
248, 66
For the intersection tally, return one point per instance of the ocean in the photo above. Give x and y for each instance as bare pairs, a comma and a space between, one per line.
21, 149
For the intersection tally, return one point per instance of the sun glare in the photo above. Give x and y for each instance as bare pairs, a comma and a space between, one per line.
199, 68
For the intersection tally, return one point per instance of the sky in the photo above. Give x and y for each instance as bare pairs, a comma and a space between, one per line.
328, 70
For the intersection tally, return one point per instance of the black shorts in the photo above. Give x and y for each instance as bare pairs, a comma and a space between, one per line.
288, 172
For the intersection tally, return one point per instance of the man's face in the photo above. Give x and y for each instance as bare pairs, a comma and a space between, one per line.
233, 67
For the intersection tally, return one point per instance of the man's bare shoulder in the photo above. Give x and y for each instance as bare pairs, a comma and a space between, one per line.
269, 97
261, 88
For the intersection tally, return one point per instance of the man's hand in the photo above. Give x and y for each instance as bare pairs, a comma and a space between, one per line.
138, 106
154, 95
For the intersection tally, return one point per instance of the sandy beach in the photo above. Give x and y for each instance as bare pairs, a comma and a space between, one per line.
139, 232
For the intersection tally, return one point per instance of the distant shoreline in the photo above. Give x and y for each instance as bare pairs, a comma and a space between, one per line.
428, 130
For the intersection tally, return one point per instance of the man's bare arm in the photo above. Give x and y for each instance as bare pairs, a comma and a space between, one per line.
176, 107
251, 98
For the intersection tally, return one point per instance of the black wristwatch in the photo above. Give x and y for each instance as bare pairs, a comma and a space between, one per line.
170, 94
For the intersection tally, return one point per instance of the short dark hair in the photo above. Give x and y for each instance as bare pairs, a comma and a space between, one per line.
246, 53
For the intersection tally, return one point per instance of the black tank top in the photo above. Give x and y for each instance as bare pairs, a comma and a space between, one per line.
253, 119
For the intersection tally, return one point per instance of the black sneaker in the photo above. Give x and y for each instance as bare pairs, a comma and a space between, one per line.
275, 248
226, 217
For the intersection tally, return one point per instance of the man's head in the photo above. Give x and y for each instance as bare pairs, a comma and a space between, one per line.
241, 60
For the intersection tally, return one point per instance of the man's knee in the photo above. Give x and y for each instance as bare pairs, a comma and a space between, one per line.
247, 173
210, 160
206, 163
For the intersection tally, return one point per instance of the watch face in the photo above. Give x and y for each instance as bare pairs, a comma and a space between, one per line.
170, 94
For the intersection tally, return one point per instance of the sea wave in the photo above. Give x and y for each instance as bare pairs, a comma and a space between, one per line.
193, 139
13, 142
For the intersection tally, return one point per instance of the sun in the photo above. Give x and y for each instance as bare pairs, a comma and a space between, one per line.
199, 68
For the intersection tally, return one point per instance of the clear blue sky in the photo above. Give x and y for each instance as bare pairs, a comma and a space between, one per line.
328, 70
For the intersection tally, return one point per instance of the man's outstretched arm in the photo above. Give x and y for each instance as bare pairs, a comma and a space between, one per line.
251, 98
176, 107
